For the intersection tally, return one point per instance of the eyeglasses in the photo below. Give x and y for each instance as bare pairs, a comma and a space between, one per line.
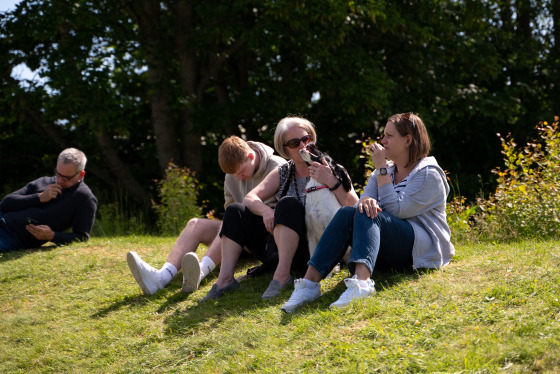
64, 177
294, 143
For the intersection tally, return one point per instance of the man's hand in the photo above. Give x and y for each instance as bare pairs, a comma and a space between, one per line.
41, 232
268, 219
51, 192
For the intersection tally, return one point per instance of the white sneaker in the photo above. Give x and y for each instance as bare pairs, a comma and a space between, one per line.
357, 289
191, 272
146, 276
304, 292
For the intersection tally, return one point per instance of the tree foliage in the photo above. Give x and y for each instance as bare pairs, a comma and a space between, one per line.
137, 84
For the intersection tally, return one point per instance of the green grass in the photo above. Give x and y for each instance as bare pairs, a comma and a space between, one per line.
77, 309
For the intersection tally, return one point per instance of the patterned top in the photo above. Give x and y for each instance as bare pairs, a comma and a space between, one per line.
287, 185
402, 184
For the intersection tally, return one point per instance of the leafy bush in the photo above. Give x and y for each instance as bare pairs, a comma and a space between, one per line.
116, 215
178, 194
526, 203
459, 219
114, 220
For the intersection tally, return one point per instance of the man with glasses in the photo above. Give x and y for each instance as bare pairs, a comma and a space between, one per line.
246, 164
47, 207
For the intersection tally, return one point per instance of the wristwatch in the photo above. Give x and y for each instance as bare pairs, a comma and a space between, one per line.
382, 171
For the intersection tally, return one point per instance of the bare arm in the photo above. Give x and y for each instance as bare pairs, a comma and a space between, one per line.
323, 174
265, 190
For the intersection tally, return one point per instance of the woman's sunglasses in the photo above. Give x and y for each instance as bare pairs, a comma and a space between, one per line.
294, 143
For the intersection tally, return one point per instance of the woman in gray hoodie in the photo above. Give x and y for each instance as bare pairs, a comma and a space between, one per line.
399, 223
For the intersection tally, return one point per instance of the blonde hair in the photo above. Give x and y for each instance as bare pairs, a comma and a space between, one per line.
232, 153
282, 128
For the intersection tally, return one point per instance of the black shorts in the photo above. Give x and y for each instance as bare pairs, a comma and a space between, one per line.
248, 230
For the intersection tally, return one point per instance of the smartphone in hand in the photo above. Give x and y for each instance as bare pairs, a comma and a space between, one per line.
31, 221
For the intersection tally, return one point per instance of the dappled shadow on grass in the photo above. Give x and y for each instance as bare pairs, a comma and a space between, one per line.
388, 279
170, 294
14, 255
383, 281
127, 301
211, 313
247, 300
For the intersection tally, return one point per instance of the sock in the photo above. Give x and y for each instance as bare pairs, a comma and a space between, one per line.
166, 273
206, 266
364, 283
310, 283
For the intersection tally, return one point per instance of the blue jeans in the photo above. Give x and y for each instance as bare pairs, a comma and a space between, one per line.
384, 242
8, 239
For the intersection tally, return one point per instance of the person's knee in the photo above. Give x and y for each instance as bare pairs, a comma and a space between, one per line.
234, 209
363, 217
288, 203
347, 211
344, 216
197, 225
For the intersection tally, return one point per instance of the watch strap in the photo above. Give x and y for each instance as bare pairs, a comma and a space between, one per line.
335, 186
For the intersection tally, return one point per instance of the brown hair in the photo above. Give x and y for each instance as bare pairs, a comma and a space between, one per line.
232, 153
410, 123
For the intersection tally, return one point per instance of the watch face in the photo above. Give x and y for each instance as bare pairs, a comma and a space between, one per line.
383, 171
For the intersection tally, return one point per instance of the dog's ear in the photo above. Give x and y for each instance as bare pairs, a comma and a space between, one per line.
342, 175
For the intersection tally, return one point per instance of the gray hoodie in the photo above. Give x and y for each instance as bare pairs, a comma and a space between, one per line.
422, 204
235, 190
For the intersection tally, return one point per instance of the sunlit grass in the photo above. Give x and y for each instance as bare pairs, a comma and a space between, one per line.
77, 309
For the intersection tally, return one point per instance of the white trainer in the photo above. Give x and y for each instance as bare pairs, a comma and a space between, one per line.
191, 272
146, 276
357, 289
304, 292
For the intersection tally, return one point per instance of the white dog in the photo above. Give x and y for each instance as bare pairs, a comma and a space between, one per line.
321, 203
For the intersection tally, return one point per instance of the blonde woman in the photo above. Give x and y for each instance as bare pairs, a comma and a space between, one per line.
398, 224
248, 225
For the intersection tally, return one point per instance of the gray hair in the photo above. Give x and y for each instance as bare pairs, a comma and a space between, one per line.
73, 156
282, 128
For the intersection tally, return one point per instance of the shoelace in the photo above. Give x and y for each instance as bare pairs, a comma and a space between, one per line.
299, 291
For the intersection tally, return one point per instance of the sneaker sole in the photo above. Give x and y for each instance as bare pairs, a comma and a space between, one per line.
131, 259
340, 306
293, 309
191, 272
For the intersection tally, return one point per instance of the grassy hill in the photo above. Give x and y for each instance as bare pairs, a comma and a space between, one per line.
77, 309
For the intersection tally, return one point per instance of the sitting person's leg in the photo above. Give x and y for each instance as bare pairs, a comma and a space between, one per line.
291, 240
150, 280
384, 238
195, 271
331, 248
334, 242
197, 231
240, 229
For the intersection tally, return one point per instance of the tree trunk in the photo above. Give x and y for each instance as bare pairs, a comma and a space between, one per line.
155, 45
191, 148
120, 170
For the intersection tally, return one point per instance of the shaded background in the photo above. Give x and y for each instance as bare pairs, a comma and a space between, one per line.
137, 84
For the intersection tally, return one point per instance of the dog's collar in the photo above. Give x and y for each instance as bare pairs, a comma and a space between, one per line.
315, 188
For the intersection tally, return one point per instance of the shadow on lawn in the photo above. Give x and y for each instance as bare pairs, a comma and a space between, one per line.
14, 255
171, 295
247, 300
383, 280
